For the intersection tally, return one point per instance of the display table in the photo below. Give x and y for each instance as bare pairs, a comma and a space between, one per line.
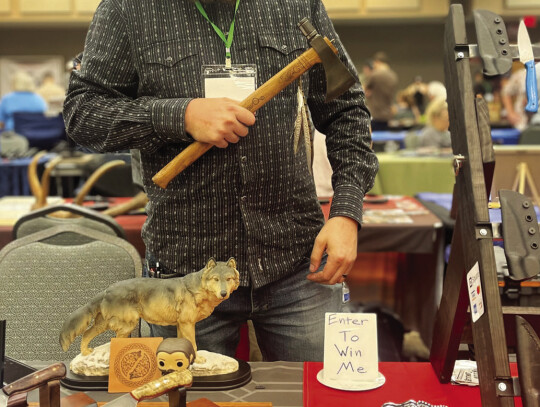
404, 381
294, 384
401, 174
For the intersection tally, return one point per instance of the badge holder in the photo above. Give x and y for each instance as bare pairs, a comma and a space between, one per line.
235, 82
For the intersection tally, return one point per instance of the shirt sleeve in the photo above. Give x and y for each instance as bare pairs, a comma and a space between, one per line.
102, 110
346, 123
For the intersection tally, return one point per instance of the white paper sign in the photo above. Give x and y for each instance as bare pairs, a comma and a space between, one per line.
350, 347
476, 298
234, 88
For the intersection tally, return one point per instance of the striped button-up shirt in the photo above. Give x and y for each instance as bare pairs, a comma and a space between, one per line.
254, 200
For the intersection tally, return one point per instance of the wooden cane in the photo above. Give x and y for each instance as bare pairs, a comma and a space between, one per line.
253, 102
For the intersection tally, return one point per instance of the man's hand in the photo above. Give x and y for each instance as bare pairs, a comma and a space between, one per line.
218, 121
339, 238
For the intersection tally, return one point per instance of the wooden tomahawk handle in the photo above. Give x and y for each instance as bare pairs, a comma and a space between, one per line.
253, 102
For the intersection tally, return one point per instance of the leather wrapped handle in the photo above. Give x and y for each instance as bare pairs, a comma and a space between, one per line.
37, 379
253, 102
163, 385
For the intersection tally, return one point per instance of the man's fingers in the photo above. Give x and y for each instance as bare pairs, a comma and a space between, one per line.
221, 143
328, 274
316, 255
232, 138
244, 116
240, 130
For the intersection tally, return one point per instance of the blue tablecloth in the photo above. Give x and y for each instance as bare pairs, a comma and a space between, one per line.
499, 136
14, 175
505, 136
385, 136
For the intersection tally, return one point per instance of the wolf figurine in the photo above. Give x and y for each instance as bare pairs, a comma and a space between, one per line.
180, 301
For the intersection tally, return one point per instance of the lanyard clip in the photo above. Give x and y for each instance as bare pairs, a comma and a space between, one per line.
228, 63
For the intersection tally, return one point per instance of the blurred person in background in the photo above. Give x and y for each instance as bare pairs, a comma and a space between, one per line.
407, 113
514, 98
380, 89
435, 90
435, 134
367, 68
52, 93
22, 99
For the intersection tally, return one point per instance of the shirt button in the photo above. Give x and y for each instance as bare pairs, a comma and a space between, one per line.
243, 159
283, 47
244, 198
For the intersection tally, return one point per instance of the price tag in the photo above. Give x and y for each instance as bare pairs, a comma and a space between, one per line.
476, 298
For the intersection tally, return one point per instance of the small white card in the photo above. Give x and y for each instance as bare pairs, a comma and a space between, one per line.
350, 347
236, 82
474, 286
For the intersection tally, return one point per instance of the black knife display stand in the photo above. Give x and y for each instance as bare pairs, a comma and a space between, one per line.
472, 239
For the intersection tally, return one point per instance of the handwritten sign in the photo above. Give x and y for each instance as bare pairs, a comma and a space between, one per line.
350, 347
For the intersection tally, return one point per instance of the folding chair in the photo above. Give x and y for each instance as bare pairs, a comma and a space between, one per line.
42, 283
40, 219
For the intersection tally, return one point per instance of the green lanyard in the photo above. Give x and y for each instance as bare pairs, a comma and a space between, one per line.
227, 40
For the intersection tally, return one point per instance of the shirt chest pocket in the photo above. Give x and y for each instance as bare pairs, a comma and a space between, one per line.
172, 67
277, 50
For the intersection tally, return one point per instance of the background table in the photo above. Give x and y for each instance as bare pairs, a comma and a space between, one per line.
14, 175
498, 136
418, 250
401, 174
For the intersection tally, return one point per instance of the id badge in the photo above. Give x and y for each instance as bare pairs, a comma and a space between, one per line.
236, 82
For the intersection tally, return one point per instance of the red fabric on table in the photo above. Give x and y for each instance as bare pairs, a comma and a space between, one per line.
404, 381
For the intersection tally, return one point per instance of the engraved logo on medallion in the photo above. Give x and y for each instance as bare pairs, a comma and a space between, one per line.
135, 365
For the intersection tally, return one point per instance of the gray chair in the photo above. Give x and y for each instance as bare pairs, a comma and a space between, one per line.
40, 219
41, 283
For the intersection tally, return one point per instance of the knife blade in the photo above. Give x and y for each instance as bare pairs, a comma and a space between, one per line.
153, 389
32, 381
526, 56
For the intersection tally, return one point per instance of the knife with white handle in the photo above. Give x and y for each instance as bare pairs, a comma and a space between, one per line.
526, 56
32, 381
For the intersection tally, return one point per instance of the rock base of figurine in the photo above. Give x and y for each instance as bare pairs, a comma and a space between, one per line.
97, 363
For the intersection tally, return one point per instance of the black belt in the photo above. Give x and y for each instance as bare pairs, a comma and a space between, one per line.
156, 270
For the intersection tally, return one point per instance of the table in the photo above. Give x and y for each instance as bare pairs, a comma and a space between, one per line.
14, 175
407, 174
384, 136
276, 382
498, 136
505, 136
419, 271
294, 384
404, 381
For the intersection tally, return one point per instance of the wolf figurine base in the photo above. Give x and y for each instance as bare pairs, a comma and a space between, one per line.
181, 301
